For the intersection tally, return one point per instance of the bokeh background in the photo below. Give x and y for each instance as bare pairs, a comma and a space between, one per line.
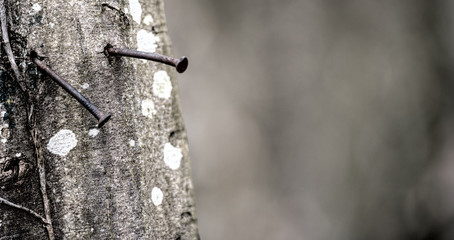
319, 119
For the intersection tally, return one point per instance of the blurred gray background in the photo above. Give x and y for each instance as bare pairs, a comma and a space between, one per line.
319, 119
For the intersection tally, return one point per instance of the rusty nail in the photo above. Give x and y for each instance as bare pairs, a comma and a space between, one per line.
181, 64
101, 117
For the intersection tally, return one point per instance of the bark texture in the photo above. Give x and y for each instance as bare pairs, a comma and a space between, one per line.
101, 183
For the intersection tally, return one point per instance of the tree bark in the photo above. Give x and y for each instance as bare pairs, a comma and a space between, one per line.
60, 176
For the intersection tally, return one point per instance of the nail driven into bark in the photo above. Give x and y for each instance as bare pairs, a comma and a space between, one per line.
181, 64
101, 117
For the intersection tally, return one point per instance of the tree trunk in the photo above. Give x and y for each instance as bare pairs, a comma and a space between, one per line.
60, 176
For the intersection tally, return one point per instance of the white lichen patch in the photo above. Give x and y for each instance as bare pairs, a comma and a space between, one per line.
148, 19
146, 41
85, 85
93, 132
135, 10
4, 132
162, 87
157, 196
132, 143
172, 156
4, 126
36, 7
148, 108
62, 142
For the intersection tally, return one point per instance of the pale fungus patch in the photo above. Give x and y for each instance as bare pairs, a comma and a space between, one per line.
135, 10
162, 87
172, 156
148, 108
157, 196
148, 19
62, 142
36, 7
93, 132
146, 41
4, 131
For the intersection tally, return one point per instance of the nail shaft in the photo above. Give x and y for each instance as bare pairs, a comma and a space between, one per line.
181, 64
101, 117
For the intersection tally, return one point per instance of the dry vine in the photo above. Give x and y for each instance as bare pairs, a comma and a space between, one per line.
31, 119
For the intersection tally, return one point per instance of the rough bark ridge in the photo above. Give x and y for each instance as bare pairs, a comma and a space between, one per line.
128, 180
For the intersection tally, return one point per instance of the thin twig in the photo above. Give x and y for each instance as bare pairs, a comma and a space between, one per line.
31, 122
42, 181
7, 45
6, 202
119, 11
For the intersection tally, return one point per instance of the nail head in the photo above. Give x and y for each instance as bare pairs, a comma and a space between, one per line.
182, 64
104, 118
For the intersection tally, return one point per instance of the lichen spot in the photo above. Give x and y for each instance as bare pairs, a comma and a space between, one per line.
132, 143
162, 87
62, 142
36, 7
148, 19
146, 41
135, 10
148, 108
93, 132
157, 196
172, 156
